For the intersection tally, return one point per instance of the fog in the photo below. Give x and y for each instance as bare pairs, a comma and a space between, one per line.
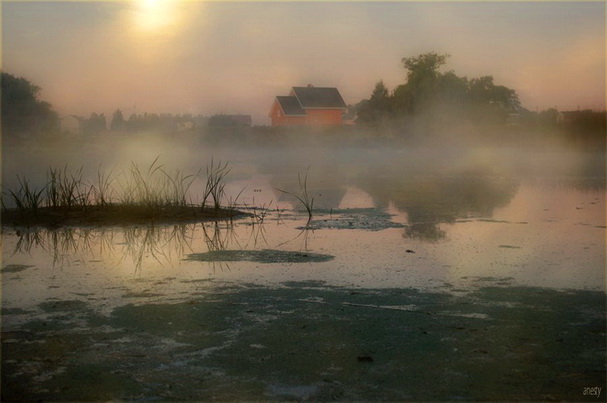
458, 169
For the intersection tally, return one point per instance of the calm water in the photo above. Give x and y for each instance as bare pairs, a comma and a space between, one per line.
479, 267
389, 218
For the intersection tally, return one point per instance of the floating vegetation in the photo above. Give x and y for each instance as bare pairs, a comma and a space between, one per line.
15, 268
260, 256
365, 219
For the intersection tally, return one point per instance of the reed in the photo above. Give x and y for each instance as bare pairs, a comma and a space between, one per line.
304, 197
215, 183
27, 198
102, 193
146, 192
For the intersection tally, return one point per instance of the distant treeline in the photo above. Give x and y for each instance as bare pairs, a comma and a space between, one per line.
431, 105
431, 94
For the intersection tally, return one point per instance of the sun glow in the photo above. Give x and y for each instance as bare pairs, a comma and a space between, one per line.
156, 16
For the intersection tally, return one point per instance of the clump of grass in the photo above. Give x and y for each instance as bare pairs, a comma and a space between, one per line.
215, 183
149, 192
304, 197
67, 190
27, 198
178, 187
102, 193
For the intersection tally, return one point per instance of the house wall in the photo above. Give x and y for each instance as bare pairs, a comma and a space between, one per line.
324, 117
280, 119
288, 120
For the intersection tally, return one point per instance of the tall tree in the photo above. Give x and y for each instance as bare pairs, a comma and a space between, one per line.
22, 111
118, 122
378, 109
423, 77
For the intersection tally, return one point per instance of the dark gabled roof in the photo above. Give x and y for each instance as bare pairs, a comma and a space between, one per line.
290, 106
319, 97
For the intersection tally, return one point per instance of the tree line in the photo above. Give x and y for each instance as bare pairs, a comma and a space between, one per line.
444, 94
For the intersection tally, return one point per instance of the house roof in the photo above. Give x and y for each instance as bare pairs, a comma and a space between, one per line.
319, 97
291, 106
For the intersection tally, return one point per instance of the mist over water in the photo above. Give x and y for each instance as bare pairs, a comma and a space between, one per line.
387, 170
453, 250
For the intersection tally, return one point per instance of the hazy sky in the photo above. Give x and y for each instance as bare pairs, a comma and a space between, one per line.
210, 57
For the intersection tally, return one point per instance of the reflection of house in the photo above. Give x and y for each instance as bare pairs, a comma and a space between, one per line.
72, 124
311, 106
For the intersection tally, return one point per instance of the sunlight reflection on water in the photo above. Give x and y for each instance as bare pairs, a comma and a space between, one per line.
540, 236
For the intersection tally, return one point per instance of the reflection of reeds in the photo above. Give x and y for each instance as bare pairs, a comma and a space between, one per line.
163, 244
214, 238
304, 234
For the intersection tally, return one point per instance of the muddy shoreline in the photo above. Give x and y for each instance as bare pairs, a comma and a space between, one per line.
310, 341
114, 215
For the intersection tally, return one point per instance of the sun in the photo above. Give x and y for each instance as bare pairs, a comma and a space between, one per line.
155, 15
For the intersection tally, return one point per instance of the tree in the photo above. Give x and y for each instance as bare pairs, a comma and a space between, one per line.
22, 111
423, 77
117, 123
424, 67
95, 124
378, 109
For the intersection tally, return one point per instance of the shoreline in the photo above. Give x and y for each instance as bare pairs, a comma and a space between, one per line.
113, 215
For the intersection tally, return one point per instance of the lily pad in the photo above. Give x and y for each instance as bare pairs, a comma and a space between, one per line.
15, 268
260, 256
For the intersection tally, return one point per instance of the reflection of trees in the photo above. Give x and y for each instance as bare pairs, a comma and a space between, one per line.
430, 200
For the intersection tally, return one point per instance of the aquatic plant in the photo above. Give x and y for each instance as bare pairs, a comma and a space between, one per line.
303, 196
215, 184
132, 195
26, 197
102, 192
178, 187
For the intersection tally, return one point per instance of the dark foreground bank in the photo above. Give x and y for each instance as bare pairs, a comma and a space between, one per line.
308, 341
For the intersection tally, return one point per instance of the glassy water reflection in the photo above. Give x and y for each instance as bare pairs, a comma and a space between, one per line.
449, 232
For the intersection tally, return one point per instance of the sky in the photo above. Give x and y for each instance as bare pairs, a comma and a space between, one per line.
209, 57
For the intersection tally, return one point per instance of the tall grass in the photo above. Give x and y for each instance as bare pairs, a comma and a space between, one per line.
215, 183
153, 188
26, 198
303, 196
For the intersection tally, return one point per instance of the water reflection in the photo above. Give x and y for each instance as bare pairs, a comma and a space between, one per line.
165, 244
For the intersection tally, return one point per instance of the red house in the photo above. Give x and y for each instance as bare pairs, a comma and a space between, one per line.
311, 106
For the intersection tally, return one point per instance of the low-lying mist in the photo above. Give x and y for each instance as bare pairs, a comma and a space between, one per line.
335, 159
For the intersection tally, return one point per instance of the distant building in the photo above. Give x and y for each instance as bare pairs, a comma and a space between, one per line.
309, 106
72, 124
242, 120
223, 121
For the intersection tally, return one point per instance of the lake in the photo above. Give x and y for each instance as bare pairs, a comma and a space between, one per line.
424, 273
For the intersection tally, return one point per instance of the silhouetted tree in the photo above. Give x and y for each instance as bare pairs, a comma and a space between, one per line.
22, 111
378, 109
422, 82
117, 123
446, 95
95, 124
